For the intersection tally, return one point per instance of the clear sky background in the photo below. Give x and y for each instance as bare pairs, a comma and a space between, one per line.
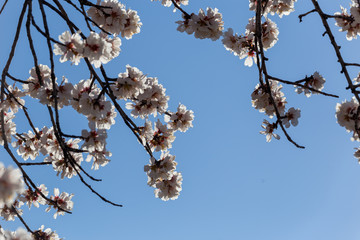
236, 186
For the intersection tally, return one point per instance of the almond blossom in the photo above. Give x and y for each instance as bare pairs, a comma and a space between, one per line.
292, 117
160, 170
269, 32
72, 48
203, 25
346, 115
268, 131
315, 81
280, 7
169, 189
9, 213
47, 234
9, 127
347, 23
162, 137
168, 3
129, 84
31, 197
181, 120
11, 184
114, 18
62, 200
19, 234
241, 46
152, 100
261, 99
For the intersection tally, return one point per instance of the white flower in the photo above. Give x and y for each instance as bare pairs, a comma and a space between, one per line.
69, 166
169, 189
19, 234
280, 7
357, 79
47, 234
72, 48
62, 200
44, 90
99, 158
94, 140
168, 3
13, 100
181, 120
269, 29
116, 19
204, 25
346, 114
132, 25
11, 184
151, 101
129, 84
29, 145
160, 170
347, 24
261, 99
269, 130
115, 45
292, 116
33, 197
146, 132
9, 213
97, 49
162, 137
93, 105
9, 127
33, 87
316, 81
241, 46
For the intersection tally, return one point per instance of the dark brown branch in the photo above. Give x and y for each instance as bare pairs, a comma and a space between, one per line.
3, 6
35, 164
352, 64
336, 47
16, 79
305, 14
95, 192
258, 39
182, 10
42, 32
303, 86
21, 219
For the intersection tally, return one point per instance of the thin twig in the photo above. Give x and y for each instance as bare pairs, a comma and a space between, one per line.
303, 86
3, 6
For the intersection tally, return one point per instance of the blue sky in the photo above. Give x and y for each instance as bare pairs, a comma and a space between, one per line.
236, 186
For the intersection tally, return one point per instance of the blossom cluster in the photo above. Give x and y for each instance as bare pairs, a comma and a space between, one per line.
113, 17
268, 99
11, 184
315, 81
146, 97
168, 3
280, 7
203, 25
14, 196
347, 117
98, 48
163, 177
244, 46
161, 173
22, 234
210, 25
349, 23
